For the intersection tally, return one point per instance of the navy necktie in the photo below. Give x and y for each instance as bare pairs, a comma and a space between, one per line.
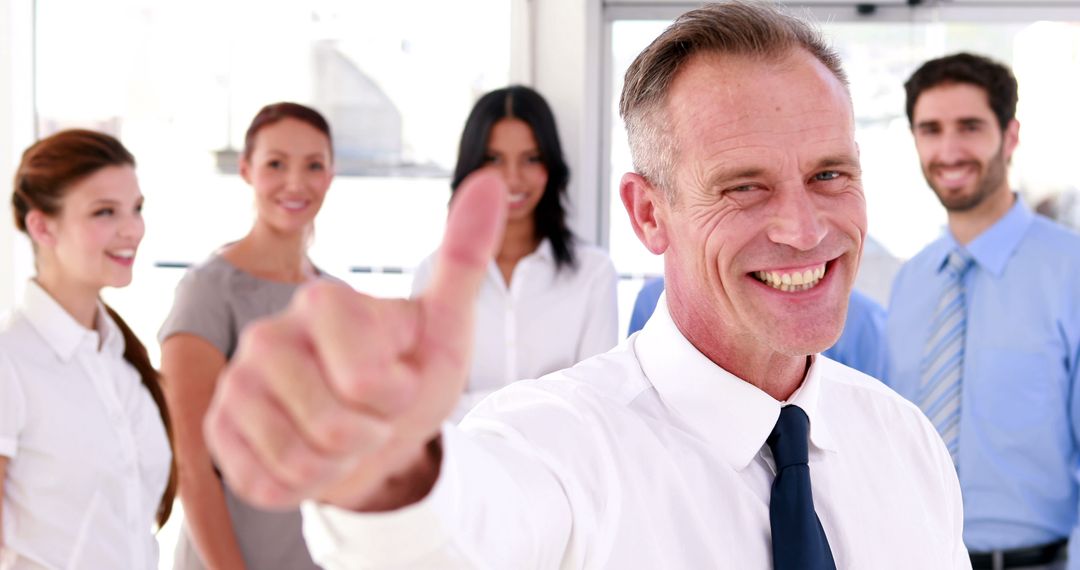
798, 541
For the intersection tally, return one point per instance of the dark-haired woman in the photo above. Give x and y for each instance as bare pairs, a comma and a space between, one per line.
548, 301
85, 458
287, 159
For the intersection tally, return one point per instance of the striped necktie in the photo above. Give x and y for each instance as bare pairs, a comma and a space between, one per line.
943, 359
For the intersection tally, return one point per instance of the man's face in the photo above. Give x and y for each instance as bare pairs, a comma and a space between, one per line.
764, 235
962, 149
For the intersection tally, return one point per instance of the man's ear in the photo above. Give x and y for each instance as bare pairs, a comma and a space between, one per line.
647, 206
41, 228
1010, 138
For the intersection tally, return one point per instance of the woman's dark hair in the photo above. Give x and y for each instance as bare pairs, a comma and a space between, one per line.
519, 102
47, 170
275, 112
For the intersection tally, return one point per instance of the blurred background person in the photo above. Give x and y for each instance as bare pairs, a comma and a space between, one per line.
548, 300
288, 161
984, 326
85, 456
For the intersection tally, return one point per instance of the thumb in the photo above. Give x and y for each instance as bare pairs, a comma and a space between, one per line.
473, 230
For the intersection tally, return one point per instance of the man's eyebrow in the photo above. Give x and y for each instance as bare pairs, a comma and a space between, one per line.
737, 171
972, 121
928, 124
838, 160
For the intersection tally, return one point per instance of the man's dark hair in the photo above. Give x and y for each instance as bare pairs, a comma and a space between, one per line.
996, 79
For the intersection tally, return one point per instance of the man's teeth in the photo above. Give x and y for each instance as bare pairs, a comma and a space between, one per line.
954, 175
294, 204
123, 253
796, 281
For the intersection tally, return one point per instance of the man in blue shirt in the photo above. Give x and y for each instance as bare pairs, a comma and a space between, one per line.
861, 346
984, 324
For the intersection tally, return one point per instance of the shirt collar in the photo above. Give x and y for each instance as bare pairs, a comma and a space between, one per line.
993, 248
61, 331
734, 416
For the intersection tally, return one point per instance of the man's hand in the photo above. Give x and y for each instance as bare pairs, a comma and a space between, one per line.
339, 398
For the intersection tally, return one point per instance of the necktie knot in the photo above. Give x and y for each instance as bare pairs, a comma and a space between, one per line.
958, 262
789, 439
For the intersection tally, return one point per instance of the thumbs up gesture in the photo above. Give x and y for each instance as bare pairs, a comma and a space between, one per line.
340, 398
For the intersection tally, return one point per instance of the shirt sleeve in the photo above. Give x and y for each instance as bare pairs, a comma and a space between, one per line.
201, 308
601, 329
12, 409
1072, 371
494, 506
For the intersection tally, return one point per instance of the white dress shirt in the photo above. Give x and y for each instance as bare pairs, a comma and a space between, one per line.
546, 320
651, 456
89, 457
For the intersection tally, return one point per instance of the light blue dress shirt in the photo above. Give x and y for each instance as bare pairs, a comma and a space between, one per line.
1020, 407
861, 346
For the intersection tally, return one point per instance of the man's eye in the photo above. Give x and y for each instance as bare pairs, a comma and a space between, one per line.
827, 175
316, 166
275, 164
104, 212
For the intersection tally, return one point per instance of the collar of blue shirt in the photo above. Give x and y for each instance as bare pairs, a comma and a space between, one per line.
732, 415
61, 331
993, 248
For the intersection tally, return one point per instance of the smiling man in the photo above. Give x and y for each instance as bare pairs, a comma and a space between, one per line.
715, 438
984, 324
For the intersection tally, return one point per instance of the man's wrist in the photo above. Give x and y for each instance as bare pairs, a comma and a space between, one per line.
409, 486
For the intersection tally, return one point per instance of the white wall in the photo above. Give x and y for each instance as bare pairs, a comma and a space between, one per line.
566, 46
16, 132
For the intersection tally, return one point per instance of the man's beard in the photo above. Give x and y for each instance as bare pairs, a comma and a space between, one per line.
989, 182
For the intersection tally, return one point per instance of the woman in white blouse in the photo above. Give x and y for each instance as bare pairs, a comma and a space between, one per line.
85, 455
548, 300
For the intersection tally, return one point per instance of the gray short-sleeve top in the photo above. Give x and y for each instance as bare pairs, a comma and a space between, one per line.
215, 301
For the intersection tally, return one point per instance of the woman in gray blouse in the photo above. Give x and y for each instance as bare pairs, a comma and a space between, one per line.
287, 159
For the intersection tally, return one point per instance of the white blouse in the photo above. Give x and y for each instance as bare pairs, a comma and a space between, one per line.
88, 453
546, 320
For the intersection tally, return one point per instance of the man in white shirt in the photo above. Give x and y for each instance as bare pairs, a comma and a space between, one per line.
691, 446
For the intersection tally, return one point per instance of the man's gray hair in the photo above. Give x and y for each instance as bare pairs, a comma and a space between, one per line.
742, 28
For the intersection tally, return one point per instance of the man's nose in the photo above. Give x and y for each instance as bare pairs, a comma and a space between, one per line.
796, 218
950, 148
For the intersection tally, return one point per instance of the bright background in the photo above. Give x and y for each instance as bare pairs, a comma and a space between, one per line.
179, 81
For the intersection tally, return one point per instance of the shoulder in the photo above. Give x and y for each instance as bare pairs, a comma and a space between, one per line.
868, 395
210, 275
911, 275
926, 258
17, 335
597, 386
862, 308
593, 261
1053, 241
